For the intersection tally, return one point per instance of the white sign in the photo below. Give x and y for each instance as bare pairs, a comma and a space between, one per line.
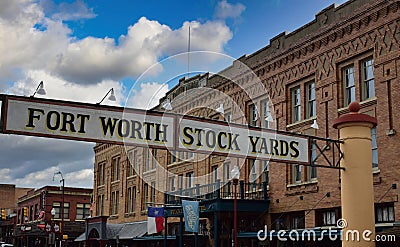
241, 141
88, 123
94, 123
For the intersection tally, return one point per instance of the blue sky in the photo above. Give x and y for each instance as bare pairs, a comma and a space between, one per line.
82, 48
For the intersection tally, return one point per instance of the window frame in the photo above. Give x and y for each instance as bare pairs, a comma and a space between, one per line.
311, 106
296, 104
349, 90
366, 92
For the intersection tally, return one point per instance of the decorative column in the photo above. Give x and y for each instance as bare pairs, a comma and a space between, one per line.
357, 189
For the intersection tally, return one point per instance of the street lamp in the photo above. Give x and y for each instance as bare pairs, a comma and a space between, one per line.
111, 97
62, 203
39, 90
235, 173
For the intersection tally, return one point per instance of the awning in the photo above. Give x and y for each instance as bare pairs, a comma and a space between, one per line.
133, 230
81, 237
122, 231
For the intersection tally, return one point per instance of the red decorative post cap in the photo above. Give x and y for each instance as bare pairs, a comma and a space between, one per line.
354, 116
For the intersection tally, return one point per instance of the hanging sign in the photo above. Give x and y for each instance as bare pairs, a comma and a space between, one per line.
117, 125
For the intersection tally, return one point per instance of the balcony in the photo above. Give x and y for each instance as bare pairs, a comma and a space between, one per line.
218, 191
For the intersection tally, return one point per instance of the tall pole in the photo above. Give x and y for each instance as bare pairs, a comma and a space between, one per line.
62, 208
357, 190
235, 183
62, 181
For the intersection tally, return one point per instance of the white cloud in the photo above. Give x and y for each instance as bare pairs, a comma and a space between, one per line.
40, 178
37, 42
77, 10
57, 88
38, 46
147, 96
227, 10
5, 175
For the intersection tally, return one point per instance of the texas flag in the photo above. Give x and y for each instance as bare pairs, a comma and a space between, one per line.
155, 220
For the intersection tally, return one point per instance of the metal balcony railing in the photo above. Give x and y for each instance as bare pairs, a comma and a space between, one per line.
218, 190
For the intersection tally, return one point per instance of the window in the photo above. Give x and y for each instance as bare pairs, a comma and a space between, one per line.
128, 205
312, 170
31, 213
253, 116
374, 148
130, 166
349, 85
214, 174
114, 202
253, 171
153, 192
172, 183
296, 173
311, 103
180, 181
266, 113
100, 205
58, 209
115, 168
153, 159
133, 199
101, 173
145, 196
329, 218
367, 77
146, 159
82, 211
265, 174
227, 171
297, 220
190, 179
296, 104
384, 213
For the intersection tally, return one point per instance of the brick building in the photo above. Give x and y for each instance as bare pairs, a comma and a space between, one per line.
34, 222
348, 53
9, 195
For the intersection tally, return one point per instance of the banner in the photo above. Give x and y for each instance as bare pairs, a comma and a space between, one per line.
191, 215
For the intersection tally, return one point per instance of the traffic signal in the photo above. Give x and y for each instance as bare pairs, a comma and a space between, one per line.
25, 211
3, 214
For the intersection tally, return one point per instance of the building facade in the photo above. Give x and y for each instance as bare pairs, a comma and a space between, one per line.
9, 195
348, 53
39, 220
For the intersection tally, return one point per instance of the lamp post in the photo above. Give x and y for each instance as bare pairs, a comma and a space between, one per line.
235, 173
62, 181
